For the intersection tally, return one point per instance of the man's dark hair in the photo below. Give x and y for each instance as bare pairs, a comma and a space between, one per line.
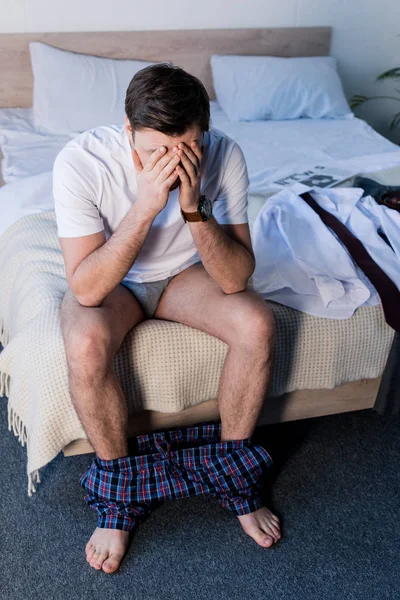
168, 99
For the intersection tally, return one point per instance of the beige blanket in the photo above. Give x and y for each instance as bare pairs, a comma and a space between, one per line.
162, 365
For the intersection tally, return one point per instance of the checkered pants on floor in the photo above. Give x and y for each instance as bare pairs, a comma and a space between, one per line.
172, 464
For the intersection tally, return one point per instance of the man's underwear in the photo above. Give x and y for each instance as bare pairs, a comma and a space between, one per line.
148, 293
172, 464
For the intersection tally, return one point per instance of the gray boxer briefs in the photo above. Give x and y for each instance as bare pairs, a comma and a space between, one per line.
148, 293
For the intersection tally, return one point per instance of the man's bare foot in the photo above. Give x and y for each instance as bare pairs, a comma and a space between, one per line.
106, 548
262, 525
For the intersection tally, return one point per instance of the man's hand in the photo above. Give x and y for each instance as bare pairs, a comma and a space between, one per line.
155, 178
189, 175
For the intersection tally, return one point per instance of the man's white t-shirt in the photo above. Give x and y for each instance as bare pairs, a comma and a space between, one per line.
94, 186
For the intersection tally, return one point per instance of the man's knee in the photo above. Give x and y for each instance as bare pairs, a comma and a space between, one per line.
88, 346
254, 321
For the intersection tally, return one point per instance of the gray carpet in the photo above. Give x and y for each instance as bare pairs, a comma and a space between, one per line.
334, 485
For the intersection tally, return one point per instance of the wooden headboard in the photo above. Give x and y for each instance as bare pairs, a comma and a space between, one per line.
190, 49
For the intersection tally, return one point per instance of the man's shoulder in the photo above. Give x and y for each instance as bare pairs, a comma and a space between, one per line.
220, 139
224, 150
223, 146
97, 143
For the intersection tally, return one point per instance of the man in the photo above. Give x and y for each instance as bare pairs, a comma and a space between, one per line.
126, 200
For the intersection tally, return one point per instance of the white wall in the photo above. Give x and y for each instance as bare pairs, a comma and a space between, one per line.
365, 40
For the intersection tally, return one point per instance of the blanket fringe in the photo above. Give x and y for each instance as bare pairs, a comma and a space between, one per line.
16, 424
4, 384
14, 421
4, 377
19, 429
31, 478
4, 334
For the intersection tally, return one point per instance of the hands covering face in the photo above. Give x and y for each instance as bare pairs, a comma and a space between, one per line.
189, 173
164, 171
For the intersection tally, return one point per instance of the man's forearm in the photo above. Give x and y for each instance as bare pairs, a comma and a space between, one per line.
227, 261
100, 272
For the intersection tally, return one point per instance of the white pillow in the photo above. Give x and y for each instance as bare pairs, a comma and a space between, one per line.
258, 88
74, 92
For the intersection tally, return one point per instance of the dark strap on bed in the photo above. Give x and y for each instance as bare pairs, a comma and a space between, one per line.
387, 290
389, 195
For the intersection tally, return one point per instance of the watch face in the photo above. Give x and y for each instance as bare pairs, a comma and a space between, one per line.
205, 207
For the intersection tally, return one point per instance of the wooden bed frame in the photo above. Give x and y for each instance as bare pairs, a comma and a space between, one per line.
190, 49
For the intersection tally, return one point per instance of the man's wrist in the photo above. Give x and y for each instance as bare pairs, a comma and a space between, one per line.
192, 208
142, 211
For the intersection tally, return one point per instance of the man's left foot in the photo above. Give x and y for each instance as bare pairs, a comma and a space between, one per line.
262, 525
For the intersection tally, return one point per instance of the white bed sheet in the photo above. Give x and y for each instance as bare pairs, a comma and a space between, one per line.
26, 151
273, 149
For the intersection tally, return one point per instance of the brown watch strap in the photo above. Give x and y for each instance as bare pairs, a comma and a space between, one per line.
192, 216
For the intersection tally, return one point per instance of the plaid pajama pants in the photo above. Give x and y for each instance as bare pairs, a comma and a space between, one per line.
178, 463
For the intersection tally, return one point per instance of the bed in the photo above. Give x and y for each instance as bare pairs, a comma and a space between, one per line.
321, 366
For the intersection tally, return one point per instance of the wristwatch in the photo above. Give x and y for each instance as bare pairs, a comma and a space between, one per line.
203, 212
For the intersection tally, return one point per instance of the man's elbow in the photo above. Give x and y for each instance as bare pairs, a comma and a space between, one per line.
241, 286
236, 288
88, 301
85, 299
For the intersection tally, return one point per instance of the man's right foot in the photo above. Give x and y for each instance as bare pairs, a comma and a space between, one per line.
106, 548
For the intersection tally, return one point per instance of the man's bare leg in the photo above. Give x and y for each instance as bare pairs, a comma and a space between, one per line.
245, 322
92, 336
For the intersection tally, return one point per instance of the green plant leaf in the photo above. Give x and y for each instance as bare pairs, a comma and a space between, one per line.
356, 100
395, 122
390, 74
